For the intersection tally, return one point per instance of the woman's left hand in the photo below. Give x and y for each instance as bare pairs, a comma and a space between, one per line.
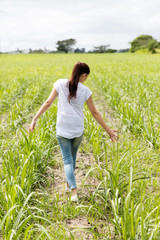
113, 135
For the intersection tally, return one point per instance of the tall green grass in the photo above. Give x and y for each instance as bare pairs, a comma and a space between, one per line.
123, 182
131, 86
127, 194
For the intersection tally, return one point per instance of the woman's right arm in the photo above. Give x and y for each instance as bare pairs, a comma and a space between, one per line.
99, 119
43, 108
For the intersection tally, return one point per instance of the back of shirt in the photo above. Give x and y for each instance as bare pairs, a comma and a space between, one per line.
70, 119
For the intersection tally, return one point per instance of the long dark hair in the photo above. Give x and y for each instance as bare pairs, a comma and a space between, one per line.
79, 69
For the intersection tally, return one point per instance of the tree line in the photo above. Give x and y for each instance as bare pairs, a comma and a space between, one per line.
142, 43
66, 46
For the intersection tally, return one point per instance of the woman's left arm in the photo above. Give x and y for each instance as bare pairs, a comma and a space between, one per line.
112, 132
43, 108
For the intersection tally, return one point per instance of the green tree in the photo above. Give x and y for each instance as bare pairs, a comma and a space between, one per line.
153, 44
101, 49
110, 50
143, 42
65, 45
78, 50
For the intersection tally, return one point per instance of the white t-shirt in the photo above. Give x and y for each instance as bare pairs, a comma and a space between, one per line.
70, 118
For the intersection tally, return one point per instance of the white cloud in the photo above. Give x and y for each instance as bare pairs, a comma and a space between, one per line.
41, 23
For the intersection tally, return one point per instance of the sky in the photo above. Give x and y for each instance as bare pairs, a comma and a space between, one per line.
38, 24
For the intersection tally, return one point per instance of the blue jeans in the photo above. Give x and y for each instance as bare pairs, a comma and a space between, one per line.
69, 148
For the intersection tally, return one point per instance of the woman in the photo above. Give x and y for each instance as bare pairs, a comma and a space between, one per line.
72, 95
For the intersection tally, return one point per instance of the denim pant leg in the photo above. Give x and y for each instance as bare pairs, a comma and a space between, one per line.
75, 142
69, 148
65, 145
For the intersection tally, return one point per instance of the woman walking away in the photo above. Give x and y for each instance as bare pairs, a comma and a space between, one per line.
72, 95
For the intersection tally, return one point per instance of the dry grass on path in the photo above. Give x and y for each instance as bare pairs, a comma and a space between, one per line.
86, 187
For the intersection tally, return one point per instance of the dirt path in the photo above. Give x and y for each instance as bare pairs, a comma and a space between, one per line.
84, 161
86, 188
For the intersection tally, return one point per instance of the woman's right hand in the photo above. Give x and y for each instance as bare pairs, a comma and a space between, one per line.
113, 135
32, 126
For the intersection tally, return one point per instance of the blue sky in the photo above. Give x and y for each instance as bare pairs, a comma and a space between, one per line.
41, 23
